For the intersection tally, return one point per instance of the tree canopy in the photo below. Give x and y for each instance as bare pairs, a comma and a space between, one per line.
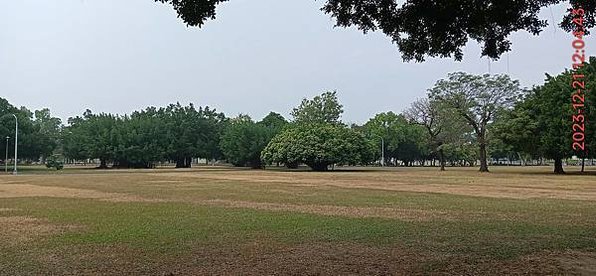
39, 132
178, 133
317, 137
478, 99
319, 146
244, 140
426, 28
403, 141
541, 124
441, 123
322, 109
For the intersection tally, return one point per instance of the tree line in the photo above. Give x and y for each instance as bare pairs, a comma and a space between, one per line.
39, 132
464, 120
175, 133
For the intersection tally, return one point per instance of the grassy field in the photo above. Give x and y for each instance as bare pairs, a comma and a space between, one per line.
225, 221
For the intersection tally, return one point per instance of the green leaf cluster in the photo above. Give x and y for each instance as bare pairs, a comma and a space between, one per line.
319, 146
174, 133
244, 140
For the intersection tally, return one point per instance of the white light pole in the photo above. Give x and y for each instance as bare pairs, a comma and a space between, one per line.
6, 158
16, 143
382, 152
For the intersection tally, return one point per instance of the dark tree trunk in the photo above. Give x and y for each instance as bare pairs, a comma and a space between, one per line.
180, 163
256, 164
320, 167
442, 159
183, 162
559, 166
483, 156
292, 165
584, 164
119, 164
103, 164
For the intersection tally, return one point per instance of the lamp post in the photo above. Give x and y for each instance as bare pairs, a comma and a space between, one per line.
6, 158
382, 150
16, 143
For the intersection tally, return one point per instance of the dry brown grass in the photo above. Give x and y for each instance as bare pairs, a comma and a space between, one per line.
582, 262
330, 194
19, 230
329, 210
168, 186
503, 182
269, 258
27, 190
517, 183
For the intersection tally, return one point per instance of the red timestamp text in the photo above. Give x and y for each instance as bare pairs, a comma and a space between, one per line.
578, 83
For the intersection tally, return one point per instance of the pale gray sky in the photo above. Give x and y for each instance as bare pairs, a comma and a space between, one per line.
257, 56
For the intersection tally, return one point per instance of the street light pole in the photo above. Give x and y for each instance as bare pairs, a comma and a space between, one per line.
6, 159
382, 152
16, 143
383, 145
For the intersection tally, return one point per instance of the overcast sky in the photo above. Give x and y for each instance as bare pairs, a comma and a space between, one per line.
257, 56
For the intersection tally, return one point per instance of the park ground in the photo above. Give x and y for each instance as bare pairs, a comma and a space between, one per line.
224, 221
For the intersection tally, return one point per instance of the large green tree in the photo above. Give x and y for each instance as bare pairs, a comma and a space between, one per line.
100, 136
322, 109
441, 123
192, 133
244, 140
38, 132
176, 133
141, 140
75, 139
319, 146
48, 130
518, 129
413, 145
477, 99
402, 140
386, 128
7, 126
542, 123
274, 121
